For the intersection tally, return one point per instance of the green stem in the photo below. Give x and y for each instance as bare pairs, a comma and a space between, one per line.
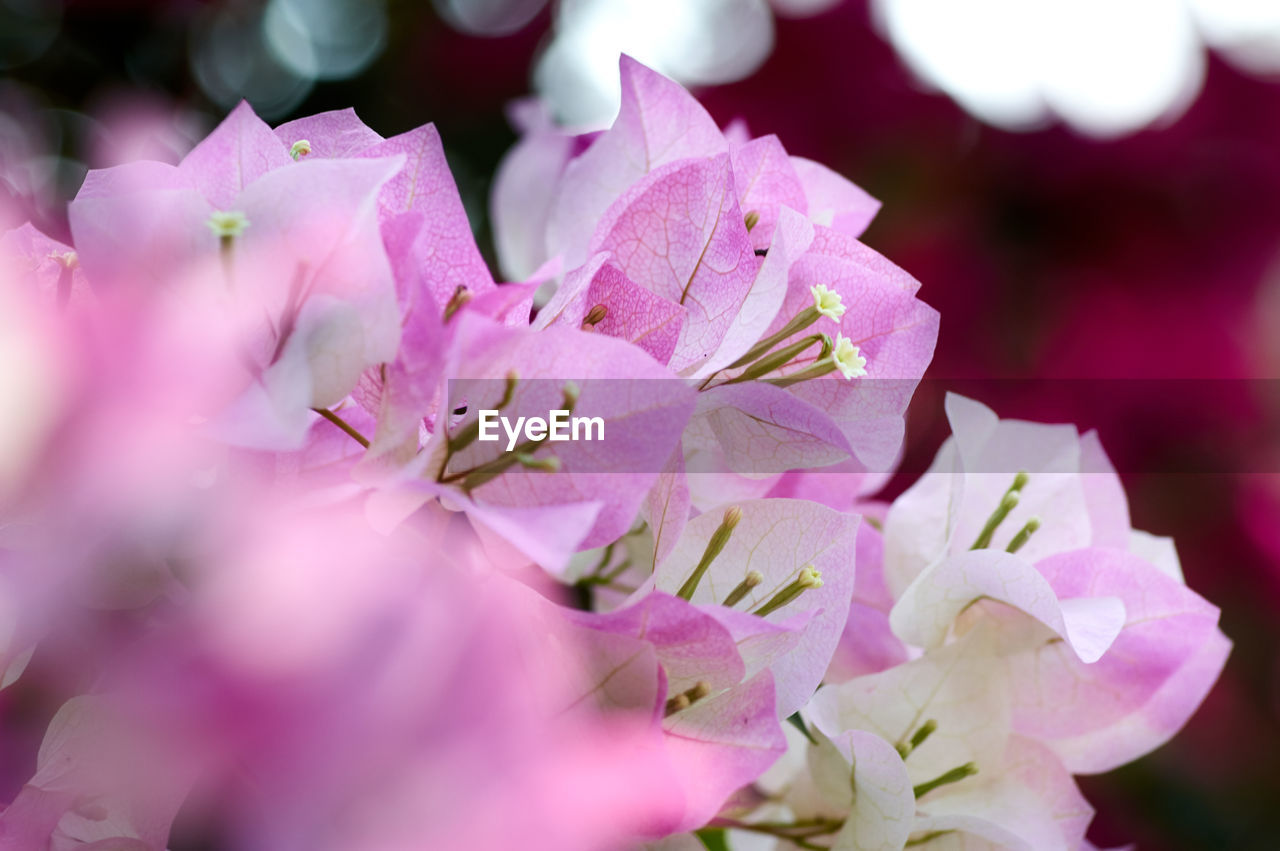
803, 320
342, 424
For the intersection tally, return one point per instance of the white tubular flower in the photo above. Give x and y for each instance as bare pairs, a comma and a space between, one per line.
847, 359
827, 301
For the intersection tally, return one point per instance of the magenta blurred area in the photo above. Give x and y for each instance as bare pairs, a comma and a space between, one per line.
1050, 255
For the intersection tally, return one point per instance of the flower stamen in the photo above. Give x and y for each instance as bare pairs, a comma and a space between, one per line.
461, 295
719, 538
751, 580
955, 775
1008, 502
808, 577
594, 317
1024, 534
826, 302
917, 739
688, 697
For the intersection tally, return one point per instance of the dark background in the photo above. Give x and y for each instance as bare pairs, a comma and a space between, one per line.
1154, 259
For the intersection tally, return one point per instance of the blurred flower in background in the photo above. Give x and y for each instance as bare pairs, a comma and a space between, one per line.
698, 42
272, 54
1105, 68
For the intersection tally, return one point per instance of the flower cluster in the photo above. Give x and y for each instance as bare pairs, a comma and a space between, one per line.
287, 595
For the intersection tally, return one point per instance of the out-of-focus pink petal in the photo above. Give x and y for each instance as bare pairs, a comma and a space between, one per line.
722, 744
51, 266
165, 228
524, 190
725, 739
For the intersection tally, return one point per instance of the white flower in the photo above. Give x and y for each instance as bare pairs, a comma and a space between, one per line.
847, 359
827, 301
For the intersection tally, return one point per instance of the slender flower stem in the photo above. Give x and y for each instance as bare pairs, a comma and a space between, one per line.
822, 366
342, 424
803, 320
782, 357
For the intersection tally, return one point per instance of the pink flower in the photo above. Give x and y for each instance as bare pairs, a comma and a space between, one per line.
287, 255
413, 693
1123, 654
734, 264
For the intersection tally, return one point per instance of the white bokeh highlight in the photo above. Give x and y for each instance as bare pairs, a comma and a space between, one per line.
1105, 67
697, 42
